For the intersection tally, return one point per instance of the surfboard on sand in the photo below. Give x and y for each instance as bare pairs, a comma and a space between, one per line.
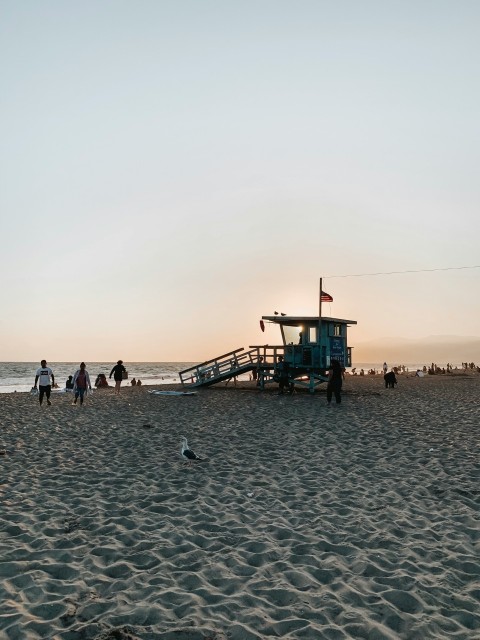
173, 393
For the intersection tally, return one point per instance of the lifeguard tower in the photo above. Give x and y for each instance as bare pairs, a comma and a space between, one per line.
309, 344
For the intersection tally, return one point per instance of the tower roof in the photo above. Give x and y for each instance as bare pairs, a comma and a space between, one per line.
295, 321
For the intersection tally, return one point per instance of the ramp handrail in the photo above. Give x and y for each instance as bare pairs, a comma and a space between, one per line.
203, 364
220, 367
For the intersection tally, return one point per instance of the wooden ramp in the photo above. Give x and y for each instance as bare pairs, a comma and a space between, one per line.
220, 369
263, 359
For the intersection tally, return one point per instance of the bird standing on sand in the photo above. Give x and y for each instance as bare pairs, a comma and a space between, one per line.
187, 453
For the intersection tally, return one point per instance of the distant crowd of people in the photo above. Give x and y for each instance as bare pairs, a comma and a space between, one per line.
401, 368
78, 383
433, 369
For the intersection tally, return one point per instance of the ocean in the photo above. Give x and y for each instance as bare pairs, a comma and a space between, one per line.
20, 376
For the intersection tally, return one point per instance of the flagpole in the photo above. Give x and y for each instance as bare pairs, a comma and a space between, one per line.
320, 300
320, 321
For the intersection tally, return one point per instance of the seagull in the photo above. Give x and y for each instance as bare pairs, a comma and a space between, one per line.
283, 314
275, 313
187, 453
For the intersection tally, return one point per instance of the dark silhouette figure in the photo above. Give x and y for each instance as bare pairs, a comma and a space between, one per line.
283, 373
390, 380
335, 381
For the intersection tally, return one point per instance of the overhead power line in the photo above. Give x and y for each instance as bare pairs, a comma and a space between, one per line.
390, 273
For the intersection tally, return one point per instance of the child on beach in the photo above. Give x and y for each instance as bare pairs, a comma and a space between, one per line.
101, 381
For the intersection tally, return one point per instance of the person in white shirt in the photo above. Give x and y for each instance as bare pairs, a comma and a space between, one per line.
43, 376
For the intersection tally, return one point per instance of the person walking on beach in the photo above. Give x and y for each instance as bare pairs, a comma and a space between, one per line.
81, 380
335, 380
385, 368
118, 372
43, 376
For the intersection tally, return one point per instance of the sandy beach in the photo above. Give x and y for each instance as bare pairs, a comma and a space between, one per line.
302, 520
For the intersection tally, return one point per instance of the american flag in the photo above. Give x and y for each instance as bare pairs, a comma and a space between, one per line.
326, 297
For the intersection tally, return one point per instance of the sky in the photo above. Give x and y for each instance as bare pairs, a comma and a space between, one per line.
170, 171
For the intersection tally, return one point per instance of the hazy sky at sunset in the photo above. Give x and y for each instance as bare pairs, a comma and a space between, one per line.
170, 171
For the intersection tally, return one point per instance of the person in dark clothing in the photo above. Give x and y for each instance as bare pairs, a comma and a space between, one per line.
335, 380
258, 372
283, 370
390, 380
118, 372
69, 383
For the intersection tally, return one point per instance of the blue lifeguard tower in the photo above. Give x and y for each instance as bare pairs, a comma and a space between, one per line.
308, 345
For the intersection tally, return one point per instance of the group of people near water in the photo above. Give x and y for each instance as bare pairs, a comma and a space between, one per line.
79, 383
